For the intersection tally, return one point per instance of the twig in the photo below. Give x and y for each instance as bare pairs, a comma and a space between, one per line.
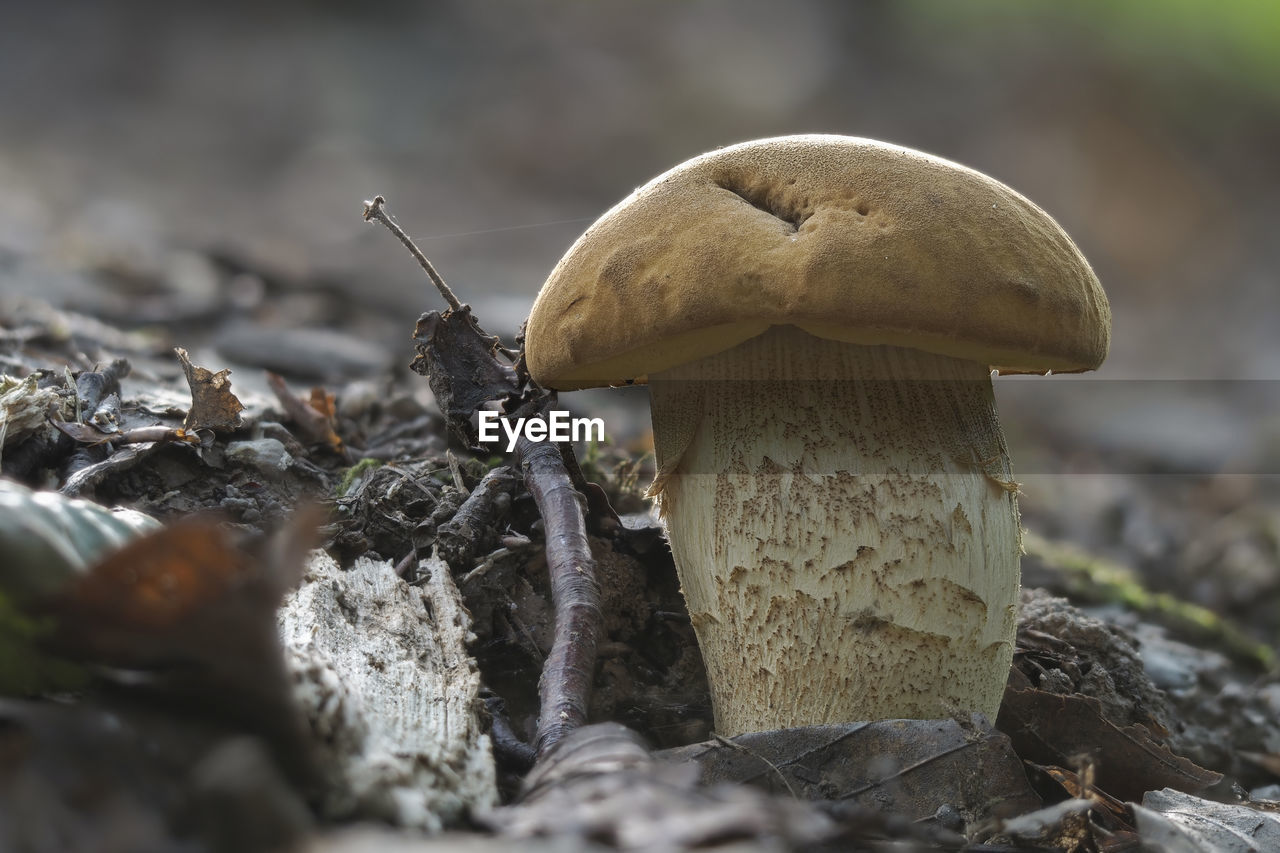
374, 210
407, 564
575, 595
461, 362
315, 425
482, 568
455, 471
507, 745
470, 530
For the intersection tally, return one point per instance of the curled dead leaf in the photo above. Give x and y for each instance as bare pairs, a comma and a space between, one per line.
460, 364
213, 406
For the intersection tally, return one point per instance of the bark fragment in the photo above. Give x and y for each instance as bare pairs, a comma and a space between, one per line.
381, 670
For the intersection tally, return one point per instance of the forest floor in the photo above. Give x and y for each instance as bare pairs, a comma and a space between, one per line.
1144, 702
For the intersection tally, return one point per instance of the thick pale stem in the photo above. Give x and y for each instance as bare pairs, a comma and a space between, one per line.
845, 526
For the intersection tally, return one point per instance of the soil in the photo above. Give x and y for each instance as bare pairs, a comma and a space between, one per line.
1138, 677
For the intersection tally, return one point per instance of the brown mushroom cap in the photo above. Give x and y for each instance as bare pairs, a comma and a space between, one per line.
847, 238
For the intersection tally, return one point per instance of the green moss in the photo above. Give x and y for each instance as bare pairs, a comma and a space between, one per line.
354, 473
1097, 579
474, 469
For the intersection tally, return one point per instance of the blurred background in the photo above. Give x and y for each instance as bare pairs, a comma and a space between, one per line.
499, 130
251, 133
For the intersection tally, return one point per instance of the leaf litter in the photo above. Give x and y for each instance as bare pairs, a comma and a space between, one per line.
1087, 729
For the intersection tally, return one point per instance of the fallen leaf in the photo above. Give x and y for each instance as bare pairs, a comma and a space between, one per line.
1113, 813
601, 786
1053, 728
121, 460
324, 402
314, 418
461, 365
910, 767
192, 615
48, 538
1186, 824
155, 585
213, 406
83, 433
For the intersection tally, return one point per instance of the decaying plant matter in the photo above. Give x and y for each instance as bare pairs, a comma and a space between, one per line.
469, 369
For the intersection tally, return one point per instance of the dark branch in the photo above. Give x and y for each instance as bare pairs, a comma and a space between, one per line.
570, 665
470, 532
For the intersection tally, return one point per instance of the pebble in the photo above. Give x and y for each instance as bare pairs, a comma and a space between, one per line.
267, 454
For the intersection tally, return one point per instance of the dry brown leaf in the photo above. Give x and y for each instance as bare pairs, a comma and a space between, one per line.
910, 767
193, 614
324, 402
460, 364
314, 417
153, 586
1112, 813
600, 786
1052, 728
213, 406
82, 433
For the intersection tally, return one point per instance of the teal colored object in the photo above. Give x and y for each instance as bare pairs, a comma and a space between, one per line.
45, 541
46, 538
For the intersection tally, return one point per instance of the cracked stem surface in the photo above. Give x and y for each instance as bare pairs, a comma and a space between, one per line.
845, 526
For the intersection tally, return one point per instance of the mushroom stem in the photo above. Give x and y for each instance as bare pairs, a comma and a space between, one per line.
845, 526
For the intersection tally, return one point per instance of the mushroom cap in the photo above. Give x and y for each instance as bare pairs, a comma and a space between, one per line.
849, 239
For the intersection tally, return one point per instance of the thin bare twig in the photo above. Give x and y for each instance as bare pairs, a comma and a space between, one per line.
374, 210
455, 471
461, 361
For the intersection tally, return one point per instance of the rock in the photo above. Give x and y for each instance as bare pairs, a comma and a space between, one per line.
265, 454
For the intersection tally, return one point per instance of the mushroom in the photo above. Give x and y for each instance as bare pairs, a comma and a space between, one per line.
818, 319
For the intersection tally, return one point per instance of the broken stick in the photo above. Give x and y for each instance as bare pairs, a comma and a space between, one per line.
466, 370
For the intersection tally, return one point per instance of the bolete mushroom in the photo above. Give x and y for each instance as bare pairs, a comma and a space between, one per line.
818, 319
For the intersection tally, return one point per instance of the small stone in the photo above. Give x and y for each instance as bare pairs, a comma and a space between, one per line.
267, 454
949, 817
